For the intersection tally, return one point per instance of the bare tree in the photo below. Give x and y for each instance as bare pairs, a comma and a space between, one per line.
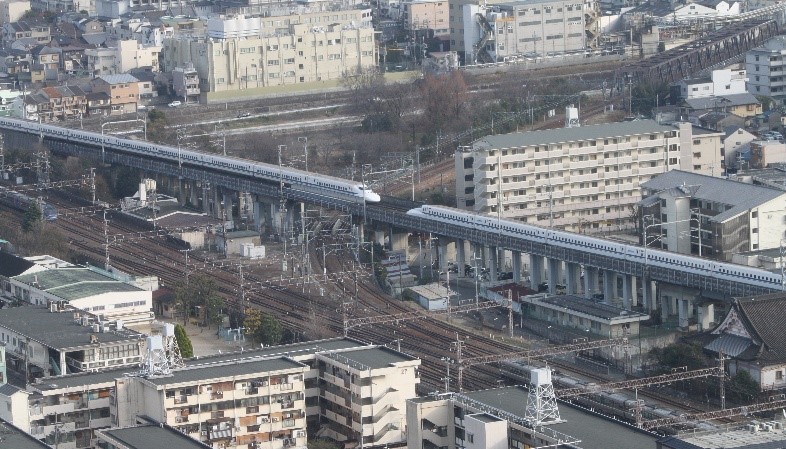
366, 86
444, 99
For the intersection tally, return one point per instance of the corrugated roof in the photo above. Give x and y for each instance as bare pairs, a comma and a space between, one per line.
739, 197
120, 78
152, 437
620, 129
722, 101
74, 283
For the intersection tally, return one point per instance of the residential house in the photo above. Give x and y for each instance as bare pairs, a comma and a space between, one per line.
7, 98
24, 29
735, 139
48, 59
715, 120
123, 91
98, 103
185, 81
16, 64
147, 82
64, 102
743, 105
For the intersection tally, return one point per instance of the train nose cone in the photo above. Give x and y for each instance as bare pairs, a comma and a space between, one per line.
372, 197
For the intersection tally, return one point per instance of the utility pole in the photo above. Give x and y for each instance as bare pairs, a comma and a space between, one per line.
510, 313
459, 360
722, 380
106, 242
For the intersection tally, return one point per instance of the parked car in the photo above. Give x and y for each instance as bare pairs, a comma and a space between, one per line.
243, 114
174, 104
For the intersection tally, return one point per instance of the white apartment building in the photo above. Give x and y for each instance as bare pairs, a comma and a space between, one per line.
491, 32
583, 179
734, 217
721, 82
288, 55
128, 55
764, 65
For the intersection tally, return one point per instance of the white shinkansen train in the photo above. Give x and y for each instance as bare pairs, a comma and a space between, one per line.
634, 253
292, 178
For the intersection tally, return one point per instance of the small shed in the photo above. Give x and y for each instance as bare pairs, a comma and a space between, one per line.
431, 296
232, 242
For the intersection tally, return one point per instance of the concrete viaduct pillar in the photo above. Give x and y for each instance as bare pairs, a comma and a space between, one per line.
590, 281
536, 275
461, 256
516, 264
573, 276
609, 286
555, 274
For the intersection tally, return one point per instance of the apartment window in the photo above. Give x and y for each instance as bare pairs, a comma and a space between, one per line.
779, 375
754, 214
272, 62
696, 142
470, 437
755, 230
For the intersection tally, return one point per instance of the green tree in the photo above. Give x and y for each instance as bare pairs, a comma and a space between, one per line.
183, 342
263, 328
127, 182
199, 297
185, 302
742, 388
647, 96
678, 355
32, 217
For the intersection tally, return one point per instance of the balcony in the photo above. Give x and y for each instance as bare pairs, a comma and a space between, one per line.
58, 408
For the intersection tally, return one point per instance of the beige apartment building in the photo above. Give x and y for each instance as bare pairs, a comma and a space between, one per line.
13, 10
365, 392
240, 53
426, 15
492, 31
231, 405
583, 179
702, 151
254, 399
